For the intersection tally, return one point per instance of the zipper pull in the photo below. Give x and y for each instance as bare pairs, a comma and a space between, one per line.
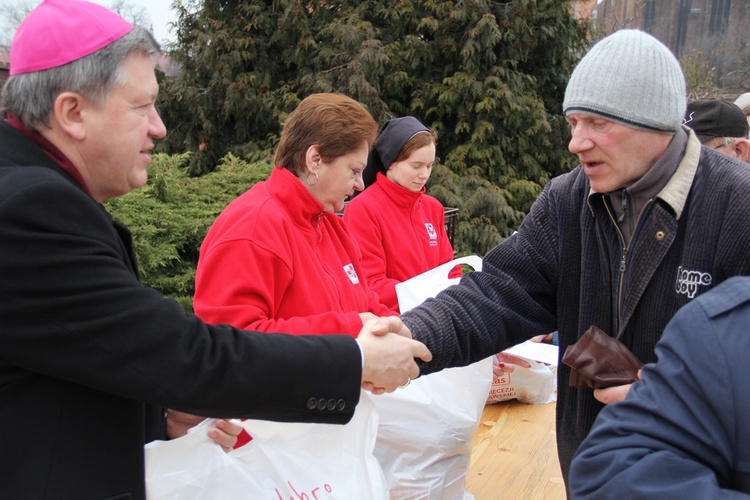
317, 227
624, 206
622, 259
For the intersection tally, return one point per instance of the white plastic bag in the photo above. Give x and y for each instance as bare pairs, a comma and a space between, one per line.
283, 461
534, 385
416, 290
427, 429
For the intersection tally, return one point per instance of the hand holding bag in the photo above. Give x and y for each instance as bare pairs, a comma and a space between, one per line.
284, 460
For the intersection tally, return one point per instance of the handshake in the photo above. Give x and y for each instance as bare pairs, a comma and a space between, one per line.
389, 353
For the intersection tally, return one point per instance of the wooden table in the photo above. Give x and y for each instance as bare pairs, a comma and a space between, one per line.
514, 454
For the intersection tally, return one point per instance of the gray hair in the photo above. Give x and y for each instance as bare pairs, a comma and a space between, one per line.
721, 142
31, 96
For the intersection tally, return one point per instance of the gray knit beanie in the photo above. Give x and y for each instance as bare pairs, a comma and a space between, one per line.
632, 78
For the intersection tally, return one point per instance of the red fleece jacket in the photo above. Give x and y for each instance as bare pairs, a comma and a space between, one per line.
274, 261
401, 234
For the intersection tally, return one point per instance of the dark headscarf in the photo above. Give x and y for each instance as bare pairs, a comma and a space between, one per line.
392, 138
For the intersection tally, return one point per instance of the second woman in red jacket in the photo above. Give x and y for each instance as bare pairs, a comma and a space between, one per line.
400, 229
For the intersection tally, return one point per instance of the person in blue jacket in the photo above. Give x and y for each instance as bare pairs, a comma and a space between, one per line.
682, 431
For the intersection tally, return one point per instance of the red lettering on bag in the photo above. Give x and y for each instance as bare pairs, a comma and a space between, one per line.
302, 495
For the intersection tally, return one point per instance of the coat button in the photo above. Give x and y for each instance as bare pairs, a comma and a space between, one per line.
312, 403
340, 405
331, 404
321, 404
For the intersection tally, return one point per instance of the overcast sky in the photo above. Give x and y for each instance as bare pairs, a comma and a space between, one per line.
158, 10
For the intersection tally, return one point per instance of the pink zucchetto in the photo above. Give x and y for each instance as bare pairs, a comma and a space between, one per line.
61, 31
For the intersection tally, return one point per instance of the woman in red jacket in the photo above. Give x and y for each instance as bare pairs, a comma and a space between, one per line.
278, 258
400, 229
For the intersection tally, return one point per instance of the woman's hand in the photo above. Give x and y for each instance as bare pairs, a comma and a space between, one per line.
366, 316
225, 434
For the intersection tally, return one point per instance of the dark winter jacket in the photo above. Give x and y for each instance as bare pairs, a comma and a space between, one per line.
566, 269
88, 355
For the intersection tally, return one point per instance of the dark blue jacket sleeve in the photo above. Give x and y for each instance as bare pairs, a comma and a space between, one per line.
680, 432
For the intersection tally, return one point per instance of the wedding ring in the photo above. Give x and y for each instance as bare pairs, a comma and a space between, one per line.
408, 381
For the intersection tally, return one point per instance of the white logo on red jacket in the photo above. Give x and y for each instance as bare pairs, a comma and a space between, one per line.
431, 233
352, 273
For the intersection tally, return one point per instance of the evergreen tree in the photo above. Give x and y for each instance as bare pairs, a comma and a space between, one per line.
170, 216
488, 76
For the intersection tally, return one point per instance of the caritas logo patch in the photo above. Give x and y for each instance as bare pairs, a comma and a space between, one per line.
431, 233
352, 273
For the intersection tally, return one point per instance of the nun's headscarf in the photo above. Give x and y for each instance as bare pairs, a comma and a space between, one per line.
393, 136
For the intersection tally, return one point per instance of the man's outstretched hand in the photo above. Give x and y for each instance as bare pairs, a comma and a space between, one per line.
389, 353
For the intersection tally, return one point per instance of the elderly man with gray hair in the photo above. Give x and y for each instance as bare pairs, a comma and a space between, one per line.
719, 125
648, 221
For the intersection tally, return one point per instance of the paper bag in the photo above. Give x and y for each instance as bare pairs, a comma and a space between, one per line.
534, 385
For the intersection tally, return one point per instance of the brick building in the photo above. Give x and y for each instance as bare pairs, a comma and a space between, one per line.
583, 9
718, 29
4, 66
680, 24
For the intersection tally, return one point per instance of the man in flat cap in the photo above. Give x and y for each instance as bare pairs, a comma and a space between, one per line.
88, 355
648, 221
719, 125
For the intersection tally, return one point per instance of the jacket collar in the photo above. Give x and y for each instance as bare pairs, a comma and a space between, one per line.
50, 150
303, 207
676, 191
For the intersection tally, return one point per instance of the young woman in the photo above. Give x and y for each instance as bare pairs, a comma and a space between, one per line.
400, 229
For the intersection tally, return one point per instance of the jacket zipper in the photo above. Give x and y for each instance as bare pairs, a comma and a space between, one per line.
623, 259
319, 234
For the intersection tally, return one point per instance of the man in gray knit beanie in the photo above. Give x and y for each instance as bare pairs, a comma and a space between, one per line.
630, 78
631, 83
648, 221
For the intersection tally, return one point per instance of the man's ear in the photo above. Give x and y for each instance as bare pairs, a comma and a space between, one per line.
742, 149
69, 114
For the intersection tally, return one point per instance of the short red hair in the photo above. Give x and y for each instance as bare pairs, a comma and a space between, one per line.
337, 124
